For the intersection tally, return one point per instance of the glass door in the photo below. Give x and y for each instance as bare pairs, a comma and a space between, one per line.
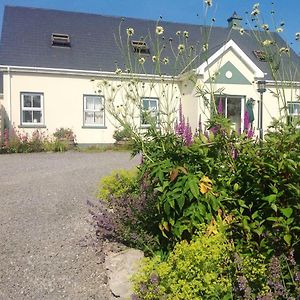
233, 108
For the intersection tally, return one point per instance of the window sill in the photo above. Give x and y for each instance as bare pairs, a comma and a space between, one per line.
32, 126
93, 127
148, 126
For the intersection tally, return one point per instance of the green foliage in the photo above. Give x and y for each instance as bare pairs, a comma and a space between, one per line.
121, 135
118, 183
39, 141
266, 201
197, 270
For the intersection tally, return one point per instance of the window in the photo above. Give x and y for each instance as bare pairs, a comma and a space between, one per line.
149, 115
140, 47
60, 40
32, 109
232, 107
93, 111
294, 113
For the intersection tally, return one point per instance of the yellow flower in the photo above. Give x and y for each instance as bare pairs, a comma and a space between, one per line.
181, 47
142, 60
255, 10
118, 71
279, 29
154, 58
159, 30
205, 185
130, 31
267, 42
242, 31
265, 26
165, 60
186, 34
205, 47
208, 2
178, 32
284, 50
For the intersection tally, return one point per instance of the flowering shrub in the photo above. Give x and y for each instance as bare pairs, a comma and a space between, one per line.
189, 180
117, 183
129, 218
21, 142
197, 270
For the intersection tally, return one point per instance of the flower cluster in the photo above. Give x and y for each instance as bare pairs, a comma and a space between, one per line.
183, 128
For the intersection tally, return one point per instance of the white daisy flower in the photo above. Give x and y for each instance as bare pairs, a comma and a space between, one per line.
130, 31
159, 30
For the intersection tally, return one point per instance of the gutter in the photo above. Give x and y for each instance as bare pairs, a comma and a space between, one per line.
74, 72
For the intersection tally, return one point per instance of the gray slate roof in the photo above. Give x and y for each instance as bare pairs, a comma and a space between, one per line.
26, 40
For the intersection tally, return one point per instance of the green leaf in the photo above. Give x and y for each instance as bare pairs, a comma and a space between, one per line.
193, 185
288, 239
180, 202
271, 198
274, 207
255, 215
287, 212
236, 187
167, 208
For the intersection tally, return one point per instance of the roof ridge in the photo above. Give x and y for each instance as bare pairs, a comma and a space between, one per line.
111, 16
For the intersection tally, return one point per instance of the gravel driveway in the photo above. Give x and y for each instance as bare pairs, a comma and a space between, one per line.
43, 217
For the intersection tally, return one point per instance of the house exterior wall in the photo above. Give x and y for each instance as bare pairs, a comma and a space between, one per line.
63, 102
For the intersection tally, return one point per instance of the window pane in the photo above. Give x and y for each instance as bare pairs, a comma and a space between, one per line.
27, 101
36, 101
145, 104
153, 104
89, 118
89, 103
97, 102
27, 116
37, 117
234, 112
99, 118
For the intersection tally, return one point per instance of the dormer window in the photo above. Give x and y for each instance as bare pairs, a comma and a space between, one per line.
140, 47
60, 40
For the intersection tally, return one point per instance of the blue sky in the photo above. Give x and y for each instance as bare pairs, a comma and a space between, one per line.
177, 10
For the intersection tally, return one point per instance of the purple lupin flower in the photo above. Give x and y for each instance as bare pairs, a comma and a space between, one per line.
220, 107
246, 121
188, 136
183, 129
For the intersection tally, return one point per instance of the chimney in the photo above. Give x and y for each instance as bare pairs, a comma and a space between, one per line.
234, 21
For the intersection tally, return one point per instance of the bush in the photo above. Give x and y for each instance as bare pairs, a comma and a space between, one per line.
39, 141
117, 184
200, 269
129, 218
121, 135
65, 139
210, 267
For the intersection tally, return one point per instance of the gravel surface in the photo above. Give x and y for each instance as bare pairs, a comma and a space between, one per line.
43, 220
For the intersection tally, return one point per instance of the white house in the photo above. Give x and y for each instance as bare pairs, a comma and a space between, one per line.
49, 57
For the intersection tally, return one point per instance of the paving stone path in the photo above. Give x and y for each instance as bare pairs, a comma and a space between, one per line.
43, 221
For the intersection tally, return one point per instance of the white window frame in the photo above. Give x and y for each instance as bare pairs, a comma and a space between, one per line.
101, 110
32, 109
144, 110
293, 114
